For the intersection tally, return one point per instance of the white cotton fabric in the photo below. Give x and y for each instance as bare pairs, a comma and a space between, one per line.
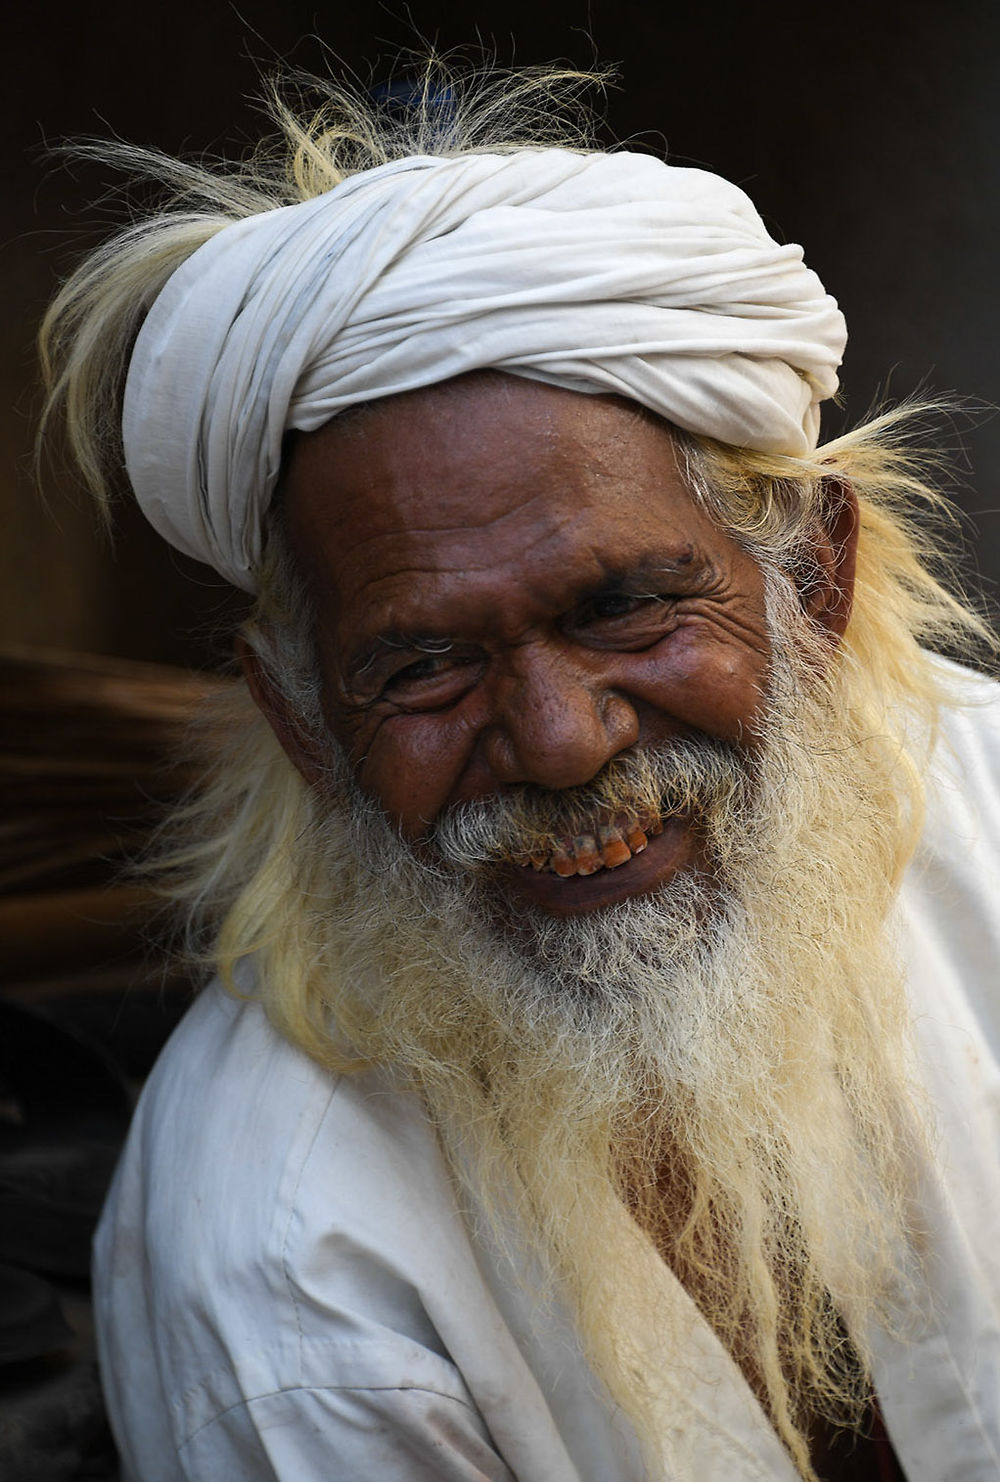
594, 272
286, 1289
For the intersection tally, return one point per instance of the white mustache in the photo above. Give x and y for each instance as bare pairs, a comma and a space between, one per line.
629, 799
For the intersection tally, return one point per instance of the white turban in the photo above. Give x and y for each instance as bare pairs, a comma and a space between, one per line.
595, 272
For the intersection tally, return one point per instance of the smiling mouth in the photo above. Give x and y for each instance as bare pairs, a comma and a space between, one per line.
605, 847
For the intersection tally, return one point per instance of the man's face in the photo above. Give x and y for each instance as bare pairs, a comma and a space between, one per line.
513, 586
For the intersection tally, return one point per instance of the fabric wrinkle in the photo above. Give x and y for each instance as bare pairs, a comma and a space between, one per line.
614, 274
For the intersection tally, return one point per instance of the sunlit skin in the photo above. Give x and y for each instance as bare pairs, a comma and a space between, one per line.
512, 585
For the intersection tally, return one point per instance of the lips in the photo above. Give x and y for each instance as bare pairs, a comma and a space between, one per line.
605, 847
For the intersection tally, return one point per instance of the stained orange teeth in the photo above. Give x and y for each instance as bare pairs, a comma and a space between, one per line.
636, 839
608, 847
614, 850
588, 860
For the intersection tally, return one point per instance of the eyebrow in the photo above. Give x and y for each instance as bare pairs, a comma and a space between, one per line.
396, 640
649, 571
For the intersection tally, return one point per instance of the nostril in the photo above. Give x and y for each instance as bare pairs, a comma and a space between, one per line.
621, 723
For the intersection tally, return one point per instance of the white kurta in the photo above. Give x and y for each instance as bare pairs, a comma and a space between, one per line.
285, 1287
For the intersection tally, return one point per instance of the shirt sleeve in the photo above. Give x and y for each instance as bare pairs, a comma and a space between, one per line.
343, 1434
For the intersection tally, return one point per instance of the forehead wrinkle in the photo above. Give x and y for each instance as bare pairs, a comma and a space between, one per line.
678, 554
436, 554
468, 525
592, 572
464, 564
423, 581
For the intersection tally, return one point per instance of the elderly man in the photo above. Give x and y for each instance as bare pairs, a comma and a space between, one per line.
601, 1078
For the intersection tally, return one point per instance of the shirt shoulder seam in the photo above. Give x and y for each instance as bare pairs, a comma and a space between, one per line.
246, 1401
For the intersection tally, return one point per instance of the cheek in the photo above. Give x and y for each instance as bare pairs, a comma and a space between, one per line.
714, 687
411, 765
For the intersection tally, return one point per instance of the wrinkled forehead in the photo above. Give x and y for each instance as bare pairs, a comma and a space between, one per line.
455, 455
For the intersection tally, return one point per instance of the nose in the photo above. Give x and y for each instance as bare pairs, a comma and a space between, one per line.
555, 724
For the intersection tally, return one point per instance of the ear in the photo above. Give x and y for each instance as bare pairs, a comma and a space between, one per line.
301, 748
827, 589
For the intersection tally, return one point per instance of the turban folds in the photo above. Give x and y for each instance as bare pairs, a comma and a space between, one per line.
595, 272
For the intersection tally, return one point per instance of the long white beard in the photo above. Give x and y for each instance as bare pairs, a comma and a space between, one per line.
725, 1058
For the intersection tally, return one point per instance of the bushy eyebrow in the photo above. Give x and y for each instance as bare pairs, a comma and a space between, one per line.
397, 640
640, 578
654, 577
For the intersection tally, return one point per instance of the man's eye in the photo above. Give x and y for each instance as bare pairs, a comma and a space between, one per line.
432, 681
420, 669
612, 605
626, 620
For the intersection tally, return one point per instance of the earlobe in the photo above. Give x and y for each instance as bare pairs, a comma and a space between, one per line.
302, 750
828, 589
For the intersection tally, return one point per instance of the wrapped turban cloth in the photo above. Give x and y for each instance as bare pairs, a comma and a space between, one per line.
595, 272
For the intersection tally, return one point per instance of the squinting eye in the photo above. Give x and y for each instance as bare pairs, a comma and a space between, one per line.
428, 668
615, 604
619, 604
433, 682
626, 620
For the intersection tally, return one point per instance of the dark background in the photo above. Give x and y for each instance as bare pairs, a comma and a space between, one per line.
867, 132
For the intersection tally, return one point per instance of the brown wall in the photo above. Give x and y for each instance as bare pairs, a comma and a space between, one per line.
867, 131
